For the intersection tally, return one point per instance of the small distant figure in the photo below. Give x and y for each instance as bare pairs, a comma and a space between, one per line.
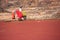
19, 13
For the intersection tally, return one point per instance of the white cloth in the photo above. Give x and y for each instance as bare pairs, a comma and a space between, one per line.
20, 9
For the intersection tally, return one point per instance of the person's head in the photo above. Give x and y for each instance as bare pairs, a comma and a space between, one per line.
21, 6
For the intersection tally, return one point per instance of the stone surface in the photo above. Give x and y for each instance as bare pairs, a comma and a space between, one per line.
49, 11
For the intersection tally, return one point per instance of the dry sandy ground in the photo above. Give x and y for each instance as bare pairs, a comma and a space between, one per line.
30, 30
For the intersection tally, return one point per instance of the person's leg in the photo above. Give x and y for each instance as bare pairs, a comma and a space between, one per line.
20, 19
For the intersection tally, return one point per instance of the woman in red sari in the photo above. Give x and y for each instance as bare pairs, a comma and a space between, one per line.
19, 14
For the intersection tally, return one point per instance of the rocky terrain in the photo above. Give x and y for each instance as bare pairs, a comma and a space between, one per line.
43, 10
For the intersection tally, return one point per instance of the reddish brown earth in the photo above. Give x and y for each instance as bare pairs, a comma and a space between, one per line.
30, 30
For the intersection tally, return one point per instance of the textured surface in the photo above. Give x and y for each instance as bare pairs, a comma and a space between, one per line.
30, 30
44, 9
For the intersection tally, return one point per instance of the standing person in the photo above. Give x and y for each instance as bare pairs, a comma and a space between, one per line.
18, 11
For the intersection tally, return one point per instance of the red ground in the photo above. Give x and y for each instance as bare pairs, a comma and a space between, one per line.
30, 30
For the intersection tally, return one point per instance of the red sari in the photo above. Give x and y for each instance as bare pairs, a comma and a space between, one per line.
19, 14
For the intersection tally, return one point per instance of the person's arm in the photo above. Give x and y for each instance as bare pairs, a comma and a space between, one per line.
13, 14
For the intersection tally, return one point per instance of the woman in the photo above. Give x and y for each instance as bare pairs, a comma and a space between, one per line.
18, 11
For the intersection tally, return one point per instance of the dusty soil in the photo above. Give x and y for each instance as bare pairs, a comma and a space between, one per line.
30, 30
